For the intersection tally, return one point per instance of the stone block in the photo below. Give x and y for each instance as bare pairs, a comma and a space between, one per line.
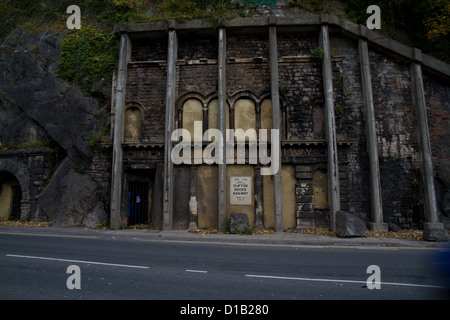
378, 226
306, 199
239, 222
434, 232
349, 225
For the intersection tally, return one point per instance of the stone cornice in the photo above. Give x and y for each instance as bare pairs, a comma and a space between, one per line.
290, 24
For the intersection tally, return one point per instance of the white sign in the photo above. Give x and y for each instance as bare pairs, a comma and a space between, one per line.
241, 191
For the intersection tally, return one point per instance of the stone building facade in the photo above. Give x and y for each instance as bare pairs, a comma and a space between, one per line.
362, 125
357, 116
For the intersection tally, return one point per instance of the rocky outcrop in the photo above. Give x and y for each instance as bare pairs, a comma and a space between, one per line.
71, 199
31, 88
35, 104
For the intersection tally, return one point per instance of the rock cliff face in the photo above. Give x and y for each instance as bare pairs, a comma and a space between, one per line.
36, 105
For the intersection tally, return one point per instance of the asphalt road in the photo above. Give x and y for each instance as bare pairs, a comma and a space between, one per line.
35, 267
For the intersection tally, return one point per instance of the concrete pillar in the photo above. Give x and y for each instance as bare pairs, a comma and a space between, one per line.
24, 210
432, 228
116, 218
157, 201
193, 204
377, 223
172, 53
276, 120
222, 83
259, 198
333, 168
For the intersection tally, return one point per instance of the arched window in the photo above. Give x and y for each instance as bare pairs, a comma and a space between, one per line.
266, 118
133, 123
245, 117
213, 116
193, 112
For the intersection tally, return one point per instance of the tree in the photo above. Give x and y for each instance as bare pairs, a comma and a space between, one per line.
438, 21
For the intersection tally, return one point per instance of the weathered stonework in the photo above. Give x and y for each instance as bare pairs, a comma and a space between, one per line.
303, 138
31, 168
172, 74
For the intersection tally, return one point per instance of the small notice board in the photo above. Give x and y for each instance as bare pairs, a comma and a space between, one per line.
240, 191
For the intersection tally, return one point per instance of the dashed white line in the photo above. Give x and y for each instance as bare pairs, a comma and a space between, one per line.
343, 281
196, 271
78, 261
247, 275
301, 279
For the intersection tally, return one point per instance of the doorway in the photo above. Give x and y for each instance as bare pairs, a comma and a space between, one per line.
139, 194
138, 203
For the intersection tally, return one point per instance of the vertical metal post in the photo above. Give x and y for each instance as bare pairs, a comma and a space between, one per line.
116, 219
377, 223
276, 121
222, 82
172, 53
333, 167
431, 212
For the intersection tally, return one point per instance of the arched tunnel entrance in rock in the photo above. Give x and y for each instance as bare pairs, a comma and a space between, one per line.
10, 196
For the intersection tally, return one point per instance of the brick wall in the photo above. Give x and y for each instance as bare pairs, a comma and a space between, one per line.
146, 84
437, 96
397, 141
301, 89
32, 168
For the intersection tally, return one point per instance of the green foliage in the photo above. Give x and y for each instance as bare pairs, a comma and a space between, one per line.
87, 56
419, 23
52, 13
247, 231
438, 21
316, 53
424, 24
227, 226
195, 9
179, 9
94, 139
317, 6
4, 146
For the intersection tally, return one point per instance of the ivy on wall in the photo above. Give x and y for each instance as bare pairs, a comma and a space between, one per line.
87, 56
419, 23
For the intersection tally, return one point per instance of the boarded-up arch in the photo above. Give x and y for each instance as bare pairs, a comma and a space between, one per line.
266, 118
193, 112
134, 116
245, 116
214, 116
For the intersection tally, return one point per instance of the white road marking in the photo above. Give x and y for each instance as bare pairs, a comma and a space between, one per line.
344, 281
196, 271
49, 235
78, 261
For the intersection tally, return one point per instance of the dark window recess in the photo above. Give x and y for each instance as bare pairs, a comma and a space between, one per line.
137, 203
15, 203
